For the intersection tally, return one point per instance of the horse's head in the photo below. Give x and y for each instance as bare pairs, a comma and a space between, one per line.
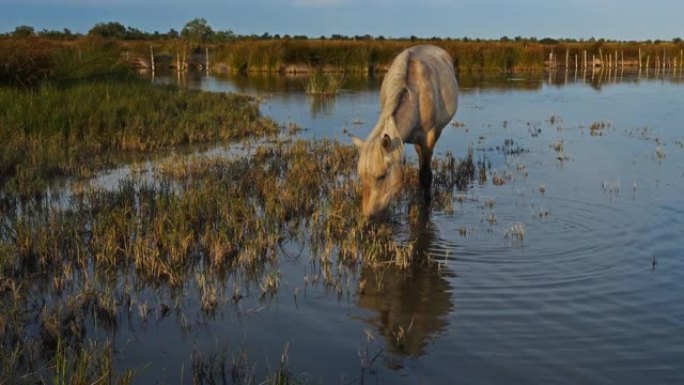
380, 171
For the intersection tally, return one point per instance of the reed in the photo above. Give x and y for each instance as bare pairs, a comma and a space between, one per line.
369, 56
321, 84
31, 60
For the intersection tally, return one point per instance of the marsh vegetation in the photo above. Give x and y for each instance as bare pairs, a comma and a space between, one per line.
85, 116
198, 224
76, 263
247, 261
32, 57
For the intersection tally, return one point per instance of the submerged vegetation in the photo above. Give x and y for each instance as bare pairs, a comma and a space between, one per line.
98, 258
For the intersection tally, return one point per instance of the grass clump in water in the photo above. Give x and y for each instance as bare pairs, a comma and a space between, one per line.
323, 84
516, 232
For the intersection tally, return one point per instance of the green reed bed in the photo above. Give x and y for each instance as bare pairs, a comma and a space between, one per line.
468, 55
31, 60
28, 62
54, 131
359, 56
201, 224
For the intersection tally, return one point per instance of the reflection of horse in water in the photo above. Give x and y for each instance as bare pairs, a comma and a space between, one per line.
412, 304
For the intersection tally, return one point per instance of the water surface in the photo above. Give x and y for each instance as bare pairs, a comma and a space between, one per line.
590, 294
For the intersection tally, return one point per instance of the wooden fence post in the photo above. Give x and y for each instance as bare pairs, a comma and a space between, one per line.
152, 59
206, 61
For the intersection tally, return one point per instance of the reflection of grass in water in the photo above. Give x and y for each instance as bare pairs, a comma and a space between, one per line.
219, 368
322, 105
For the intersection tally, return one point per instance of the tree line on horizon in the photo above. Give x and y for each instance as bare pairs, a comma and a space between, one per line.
198, 30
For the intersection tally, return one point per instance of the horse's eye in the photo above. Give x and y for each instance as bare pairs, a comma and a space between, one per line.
381, 177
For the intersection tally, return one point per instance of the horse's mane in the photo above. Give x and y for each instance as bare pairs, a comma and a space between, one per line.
395, 88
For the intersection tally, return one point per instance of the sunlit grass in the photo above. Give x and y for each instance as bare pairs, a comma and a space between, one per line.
54, 131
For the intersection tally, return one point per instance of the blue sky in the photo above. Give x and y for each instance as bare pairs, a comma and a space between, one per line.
612, 19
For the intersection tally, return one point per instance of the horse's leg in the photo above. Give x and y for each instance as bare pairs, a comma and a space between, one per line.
424, 171
425, 158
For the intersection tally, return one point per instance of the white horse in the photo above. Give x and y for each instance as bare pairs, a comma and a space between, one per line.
419, 96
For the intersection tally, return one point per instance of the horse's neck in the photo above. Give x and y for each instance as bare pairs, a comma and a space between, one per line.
405, 124
405, 119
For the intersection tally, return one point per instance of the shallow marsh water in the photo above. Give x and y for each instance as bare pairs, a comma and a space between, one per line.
571, 271
587, 290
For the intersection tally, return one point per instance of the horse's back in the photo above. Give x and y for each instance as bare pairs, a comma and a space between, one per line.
432, 88
434, 79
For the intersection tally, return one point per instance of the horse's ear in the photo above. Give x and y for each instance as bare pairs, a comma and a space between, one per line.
386, 142
357, 141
